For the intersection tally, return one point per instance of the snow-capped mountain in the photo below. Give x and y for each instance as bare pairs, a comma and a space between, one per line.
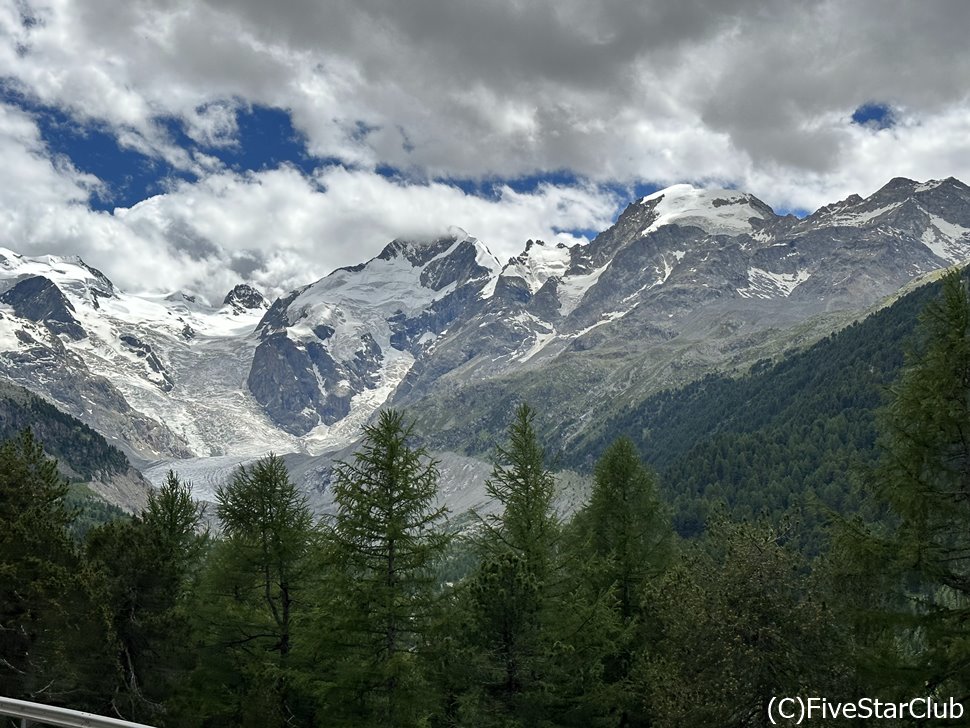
163, 376
332, 352
685, 281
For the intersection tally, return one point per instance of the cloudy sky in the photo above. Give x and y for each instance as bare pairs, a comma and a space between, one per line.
191, 145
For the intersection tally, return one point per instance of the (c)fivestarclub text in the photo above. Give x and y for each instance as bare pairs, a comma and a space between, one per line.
799, 710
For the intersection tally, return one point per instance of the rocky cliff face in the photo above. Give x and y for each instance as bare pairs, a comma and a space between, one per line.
352, 336
243, 298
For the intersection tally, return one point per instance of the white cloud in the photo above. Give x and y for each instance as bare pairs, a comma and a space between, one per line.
663, 91
750, 93
282, 229
278, 229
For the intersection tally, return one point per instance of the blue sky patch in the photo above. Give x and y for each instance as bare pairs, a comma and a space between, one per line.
265, 139
490, 188
875, 116
128, 176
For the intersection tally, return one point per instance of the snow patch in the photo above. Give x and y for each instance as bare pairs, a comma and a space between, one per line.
8, 337
765, 284
858, 219
537, 264
928, 185
665, 273
946, 240
572, 289
717, 212
541, 340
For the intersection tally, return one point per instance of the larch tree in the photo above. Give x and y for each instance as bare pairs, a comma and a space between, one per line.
382, 550
253, 590
539, 639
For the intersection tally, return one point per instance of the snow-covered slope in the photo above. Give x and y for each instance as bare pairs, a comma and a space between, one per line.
717, 212
538, 263
331, 353
175, 361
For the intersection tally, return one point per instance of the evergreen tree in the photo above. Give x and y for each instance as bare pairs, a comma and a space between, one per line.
923, 478
527, 527
540, 633
627, 541
254, 586
54, 641
385, 543
627, 525
737, 624
146, 565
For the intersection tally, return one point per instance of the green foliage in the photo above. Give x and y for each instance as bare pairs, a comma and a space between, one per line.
922, 479
627, 525
783, 436
534, 633
383, 552
251, 597
52, 633
146, 565
737, 624
622, 542
527, 526
90, 511
64, 437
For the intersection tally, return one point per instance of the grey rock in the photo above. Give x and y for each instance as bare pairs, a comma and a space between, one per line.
244, 297
38, 299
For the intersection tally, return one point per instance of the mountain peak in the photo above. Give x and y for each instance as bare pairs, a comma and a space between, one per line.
537, 263
903, 186
243, 297
716, 211
37, 298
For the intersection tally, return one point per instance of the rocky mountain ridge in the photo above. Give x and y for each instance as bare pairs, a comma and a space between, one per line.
686, 281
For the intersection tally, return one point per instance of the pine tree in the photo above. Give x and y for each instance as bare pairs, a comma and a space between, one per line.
923, 477
386, 540
146, 566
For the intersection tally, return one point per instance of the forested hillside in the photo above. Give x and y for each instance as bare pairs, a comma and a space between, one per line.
789, 434
75, 445
84, 457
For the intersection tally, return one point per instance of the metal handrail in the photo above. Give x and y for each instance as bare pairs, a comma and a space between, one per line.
64, 717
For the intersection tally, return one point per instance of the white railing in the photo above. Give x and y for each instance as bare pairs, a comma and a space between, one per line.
28, 712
